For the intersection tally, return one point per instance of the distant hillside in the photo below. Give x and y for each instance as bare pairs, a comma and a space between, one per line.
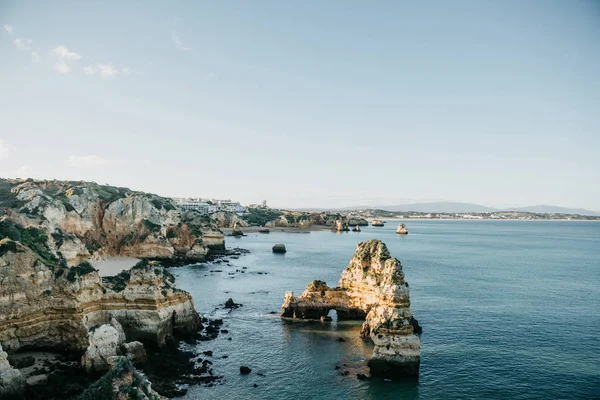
556, 210
458, 207
439, 207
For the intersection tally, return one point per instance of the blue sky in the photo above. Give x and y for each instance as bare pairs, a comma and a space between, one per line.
307, 103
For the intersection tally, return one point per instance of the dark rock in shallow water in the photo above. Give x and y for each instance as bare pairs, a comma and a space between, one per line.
363, 377
279, 248
231, 304
244, 370
326, 318
341, 339
21, 362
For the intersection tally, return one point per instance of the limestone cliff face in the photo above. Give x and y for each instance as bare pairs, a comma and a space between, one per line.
44, 304
11, 380
85, 220
371, 287
226, 219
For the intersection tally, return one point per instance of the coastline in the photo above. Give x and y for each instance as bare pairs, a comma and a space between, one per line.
288, 229
491, 219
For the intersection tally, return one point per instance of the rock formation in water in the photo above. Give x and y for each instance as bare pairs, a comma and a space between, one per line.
341, 226
279, 248
372, 288
237, 230
356, 229
84, 220
12, 382
402, 229
122, 382
377, 222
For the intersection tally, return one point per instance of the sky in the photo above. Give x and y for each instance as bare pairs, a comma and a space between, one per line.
307, 104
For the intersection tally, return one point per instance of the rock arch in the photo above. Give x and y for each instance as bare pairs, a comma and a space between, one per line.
372, 288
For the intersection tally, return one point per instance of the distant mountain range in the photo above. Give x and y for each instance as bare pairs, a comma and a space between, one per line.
457, 207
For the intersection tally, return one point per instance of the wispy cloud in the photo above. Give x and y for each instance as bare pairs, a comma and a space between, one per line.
178, 43
35, 57
90, 161
9, 29
90, 70
63, 55
5, 150
106, 71
23, 44
25, 171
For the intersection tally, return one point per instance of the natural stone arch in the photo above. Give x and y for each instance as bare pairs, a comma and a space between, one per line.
372, 288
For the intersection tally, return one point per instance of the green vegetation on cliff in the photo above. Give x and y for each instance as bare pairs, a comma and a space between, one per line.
260, 216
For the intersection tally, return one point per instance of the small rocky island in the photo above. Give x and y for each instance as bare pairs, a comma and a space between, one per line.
402, 229
372, 288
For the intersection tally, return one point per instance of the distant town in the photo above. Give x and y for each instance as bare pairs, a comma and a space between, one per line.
208, 206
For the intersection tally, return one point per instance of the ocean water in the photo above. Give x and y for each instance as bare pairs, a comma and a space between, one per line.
509, 309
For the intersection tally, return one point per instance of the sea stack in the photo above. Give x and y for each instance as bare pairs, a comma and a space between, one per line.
377, 222
402, 229
372, 288
356, 229
237, 231
341, 226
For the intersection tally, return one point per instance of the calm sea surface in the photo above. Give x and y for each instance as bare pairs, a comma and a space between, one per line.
510, 310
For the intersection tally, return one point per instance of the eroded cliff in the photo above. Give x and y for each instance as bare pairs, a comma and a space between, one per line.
85, 220
51, 305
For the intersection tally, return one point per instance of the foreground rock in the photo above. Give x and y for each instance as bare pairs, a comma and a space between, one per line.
51, 306
122, 382
279, 248
402, 229
372, 288
12, 382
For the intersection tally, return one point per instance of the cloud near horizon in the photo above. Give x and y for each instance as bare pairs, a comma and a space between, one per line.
9, 29
5, 150
178, 43
90, 161
24, 172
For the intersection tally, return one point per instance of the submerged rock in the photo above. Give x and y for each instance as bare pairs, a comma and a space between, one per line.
244, 370
402, 229
279, 248
372, 288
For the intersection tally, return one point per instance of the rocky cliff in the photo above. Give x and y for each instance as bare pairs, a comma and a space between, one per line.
84, 220
372, 287
47, 304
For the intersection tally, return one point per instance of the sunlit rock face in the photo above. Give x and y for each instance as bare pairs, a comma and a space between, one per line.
401, 229
47, 305
372, 288
85, 221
